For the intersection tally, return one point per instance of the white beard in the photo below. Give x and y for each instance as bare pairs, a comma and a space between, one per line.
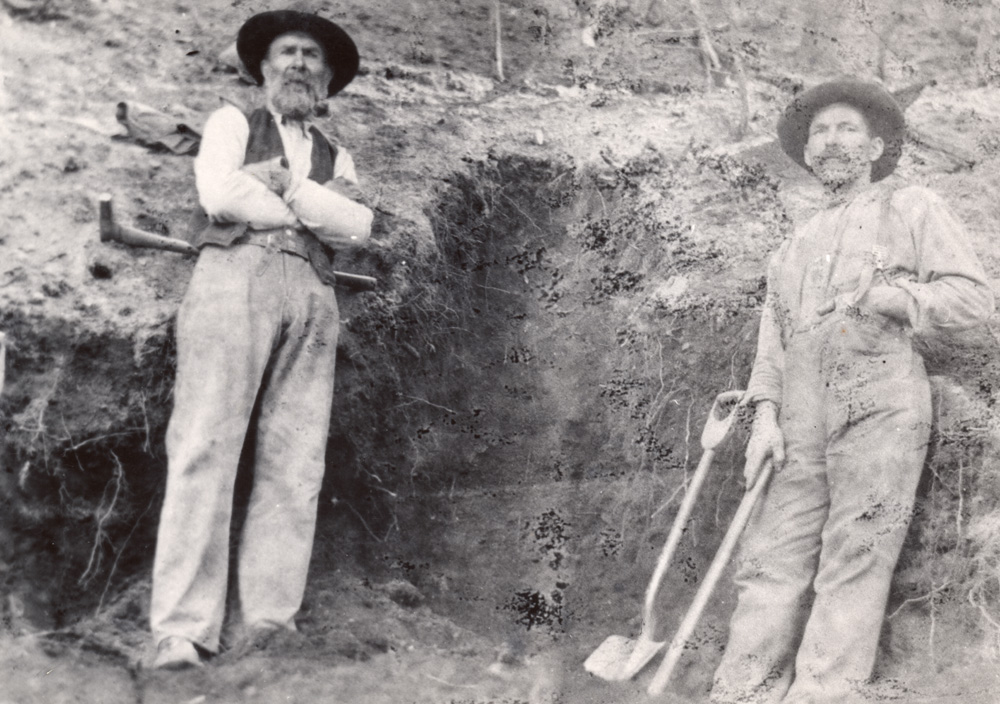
294, 100
296, 94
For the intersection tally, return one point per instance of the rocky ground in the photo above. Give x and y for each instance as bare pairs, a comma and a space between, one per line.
571, 264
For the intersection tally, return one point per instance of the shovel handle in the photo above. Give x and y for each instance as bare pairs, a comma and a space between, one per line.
722, 557
674, 537
721, 416
717, 428
676, 531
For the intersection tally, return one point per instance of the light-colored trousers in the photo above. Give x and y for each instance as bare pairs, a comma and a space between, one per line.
817, 558
255, 323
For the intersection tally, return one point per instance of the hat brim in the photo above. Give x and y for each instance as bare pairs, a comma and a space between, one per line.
257, 33
884, 115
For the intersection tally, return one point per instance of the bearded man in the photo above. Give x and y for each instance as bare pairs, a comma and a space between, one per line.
258, 326
842, 402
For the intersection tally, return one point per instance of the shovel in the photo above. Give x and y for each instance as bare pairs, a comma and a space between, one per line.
619, 658
684, 631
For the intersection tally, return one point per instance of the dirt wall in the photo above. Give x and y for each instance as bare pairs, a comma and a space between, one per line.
571, 266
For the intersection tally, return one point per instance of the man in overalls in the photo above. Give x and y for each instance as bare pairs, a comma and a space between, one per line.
842, 402
258, 324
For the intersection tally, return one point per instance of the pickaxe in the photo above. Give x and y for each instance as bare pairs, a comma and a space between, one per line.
133, 236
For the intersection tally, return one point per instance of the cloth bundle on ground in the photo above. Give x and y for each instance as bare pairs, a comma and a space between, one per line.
154, 128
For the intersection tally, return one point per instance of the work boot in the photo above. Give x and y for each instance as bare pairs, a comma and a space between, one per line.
176, 653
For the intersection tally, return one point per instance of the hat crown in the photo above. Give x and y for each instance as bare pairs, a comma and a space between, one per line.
259, 32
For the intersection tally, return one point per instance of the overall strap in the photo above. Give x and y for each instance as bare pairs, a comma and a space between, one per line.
877, 259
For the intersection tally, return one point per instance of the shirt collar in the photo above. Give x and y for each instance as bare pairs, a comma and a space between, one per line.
299, 126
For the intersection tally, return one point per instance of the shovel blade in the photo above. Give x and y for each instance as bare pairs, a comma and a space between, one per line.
619, 658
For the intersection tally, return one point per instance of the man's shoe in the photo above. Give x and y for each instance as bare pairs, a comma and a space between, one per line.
176, 653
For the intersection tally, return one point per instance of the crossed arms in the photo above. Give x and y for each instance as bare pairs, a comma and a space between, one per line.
267, 195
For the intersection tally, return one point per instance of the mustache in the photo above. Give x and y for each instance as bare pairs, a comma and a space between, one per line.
298, 77
833, 153
838, 153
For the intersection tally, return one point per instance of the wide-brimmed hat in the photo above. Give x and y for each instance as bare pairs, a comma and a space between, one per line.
256, 35
883, 113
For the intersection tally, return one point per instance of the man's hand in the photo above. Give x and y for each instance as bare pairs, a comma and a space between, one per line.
889, 301
347, 189
766, 441
273, 173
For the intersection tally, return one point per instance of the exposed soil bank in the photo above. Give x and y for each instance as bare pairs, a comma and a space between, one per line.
571, 268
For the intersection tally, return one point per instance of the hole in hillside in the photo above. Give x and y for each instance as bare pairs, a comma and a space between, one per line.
447, 378
504, 357
544, 344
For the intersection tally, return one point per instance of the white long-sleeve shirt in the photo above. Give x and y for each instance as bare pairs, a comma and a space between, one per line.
229, 194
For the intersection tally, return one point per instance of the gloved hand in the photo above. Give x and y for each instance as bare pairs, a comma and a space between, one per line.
766, 441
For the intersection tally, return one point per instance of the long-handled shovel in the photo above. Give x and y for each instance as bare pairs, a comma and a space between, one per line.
659, 681
619, 658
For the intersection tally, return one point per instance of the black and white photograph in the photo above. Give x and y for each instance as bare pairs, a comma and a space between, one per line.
499, 352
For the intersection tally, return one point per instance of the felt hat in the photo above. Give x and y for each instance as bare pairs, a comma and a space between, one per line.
883, 113
257, 33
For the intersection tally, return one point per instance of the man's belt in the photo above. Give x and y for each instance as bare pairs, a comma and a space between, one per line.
292, 241
280, 239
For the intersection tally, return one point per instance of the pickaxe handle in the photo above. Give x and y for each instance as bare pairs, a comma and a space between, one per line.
113, 232
358, 282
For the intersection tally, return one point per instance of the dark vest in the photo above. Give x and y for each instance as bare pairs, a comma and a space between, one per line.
264, 143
